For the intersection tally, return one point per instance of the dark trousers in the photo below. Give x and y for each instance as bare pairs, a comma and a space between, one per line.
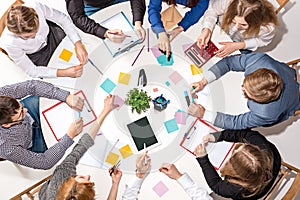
55, 36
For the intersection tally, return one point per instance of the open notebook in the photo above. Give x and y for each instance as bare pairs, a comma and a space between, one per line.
217, 152
120, 21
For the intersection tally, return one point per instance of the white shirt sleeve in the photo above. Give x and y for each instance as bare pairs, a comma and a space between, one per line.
193, 189
133, 188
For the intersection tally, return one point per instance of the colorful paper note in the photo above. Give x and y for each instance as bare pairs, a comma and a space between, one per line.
160, 189
65, 55
171, 125
155, 89
118, 101
180, 118
108, 85
124, 78
163, 60
156, 52
175, 77
112, 158
125, 151
195, 70
167, 83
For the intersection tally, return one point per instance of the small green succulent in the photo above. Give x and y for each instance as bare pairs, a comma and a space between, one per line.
138, 100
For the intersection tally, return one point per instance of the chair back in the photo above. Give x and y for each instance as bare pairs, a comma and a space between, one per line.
281, 5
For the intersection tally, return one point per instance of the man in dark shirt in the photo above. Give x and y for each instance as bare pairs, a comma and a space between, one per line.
77, 11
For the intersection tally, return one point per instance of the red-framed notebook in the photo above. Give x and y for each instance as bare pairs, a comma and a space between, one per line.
60, 116
217, 152
200, 56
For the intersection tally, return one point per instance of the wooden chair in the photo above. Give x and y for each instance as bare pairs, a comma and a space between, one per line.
294, 64
32, 190
286, 169
281, 5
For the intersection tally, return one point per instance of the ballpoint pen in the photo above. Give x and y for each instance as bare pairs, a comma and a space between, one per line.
114, 167
145, 159
119, 34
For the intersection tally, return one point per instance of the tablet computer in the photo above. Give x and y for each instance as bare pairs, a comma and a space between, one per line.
142, 133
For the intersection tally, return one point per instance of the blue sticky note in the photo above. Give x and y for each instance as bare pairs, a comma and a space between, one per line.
167, 83
108, 85
163, 60
171, 125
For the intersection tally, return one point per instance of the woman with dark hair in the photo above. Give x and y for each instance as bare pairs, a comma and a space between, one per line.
197, 9
250, 171
249, 23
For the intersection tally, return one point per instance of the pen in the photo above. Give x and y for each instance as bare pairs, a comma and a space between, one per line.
187, 98
114, 33
145, 160
114, 167
79, 114
86, 106
193, 100
95, 66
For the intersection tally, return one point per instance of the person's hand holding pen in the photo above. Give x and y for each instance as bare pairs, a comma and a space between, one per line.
170, 170
204, 38
142, 167
115, 173
197, 86
115, 35
164, 43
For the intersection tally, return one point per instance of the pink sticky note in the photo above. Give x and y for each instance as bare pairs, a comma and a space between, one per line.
156, 52
186, 46
118, 101
160, 188
180, 118
175, 77
155, 89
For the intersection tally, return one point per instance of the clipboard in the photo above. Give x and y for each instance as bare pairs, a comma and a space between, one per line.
60, 116
217, 152
200, 56
120, 21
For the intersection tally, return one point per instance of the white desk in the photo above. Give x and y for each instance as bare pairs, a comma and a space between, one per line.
169, 151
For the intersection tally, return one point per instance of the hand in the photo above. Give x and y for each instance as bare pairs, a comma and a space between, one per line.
75, 128
164, 43
75, 102
204, 38
142, 167
173, 33
197, 86
116, 175
229, 47
196, 110
200, 150
140, 30
115, 35
109, 103
208, 138
81, 53
171, 171
72, 72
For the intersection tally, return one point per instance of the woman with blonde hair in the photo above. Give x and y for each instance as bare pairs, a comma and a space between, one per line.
249, 23
250, 171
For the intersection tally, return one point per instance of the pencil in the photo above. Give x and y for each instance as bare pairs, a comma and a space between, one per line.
148, 38
138, 55
95, 66
113, 146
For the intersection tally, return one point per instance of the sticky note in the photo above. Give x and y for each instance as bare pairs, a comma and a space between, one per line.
163, 60
195, 70
180, 118
124, 78
160, 188
175, 77
125, 151
155, 89
171, 125
112, 158
118, 101
186, 46
156, 52
167, 83
108, 85
65, 55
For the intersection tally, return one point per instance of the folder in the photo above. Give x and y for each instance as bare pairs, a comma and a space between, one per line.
60, 116
217, 152
120, 21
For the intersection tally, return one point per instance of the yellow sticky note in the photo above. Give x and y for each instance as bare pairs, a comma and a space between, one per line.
125, 151
112, 158
124, 78
195, 69
65, 55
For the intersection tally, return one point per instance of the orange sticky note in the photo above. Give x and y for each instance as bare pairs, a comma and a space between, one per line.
124, 78
65, 55
195, 69
125, 151
112, 158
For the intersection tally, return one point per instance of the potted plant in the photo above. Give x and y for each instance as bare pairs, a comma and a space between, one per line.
138, 100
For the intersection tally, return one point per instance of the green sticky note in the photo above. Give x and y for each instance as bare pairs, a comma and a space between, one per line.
108, 85
171, 125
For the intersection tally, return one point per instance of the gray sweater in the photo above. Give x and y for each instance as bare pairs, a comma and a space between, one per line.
66, 169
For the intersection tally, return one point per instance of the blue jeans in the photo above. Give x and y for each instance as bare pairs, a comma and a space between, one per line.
89, 10
32, 103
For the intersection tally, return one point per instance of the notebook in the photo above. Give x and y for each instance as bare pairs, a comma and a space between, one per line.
200, 56
120, 21
217, 152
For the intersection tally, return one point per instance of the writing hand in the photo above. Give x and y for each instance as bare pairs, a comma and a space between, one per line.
115, 35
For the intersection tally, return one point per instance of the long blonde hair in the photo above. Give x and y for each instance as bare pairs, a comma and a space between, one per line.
72, 190
257, 13
249, 167
21, 19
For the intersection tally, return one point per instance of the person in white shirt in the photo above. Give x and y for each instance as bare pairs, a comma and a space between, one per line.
249, 23
192, 189
32, 33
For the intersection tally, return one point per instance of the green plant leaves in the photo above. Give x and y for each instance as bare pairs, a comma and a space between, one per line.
138, 100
